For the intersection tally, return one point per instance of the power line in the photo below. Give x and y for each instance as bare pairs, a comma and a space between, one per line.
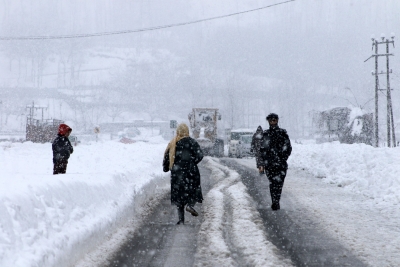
137, 30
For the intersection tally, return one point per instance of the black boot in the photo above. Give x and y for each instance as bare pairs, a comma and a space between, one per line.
181, 214
192, 210
275, 206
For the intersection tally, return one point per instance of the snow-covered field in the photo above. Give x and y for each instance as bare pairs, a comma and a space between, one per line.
48, 220
53, 220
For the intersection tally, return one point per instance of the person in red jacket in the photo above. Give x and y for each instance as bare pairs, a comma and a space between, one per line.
62, 149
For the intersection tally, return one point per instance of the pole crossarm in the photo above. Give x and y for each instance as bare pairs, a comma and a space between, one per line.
383, 42
382, 72
382, 55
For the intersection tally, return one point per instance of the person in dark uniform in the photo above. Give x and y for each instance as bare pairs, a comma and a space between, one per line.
275, 151
181, 157
62, 149
255, 147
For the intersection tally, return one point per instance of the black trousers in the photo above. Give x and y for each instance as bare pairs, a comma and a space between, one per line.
276, 179
60, 167
181, 212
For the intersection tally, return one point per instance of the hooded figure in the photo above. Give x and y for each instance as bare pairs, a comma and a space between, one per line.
62, 149
181, 157
256, 145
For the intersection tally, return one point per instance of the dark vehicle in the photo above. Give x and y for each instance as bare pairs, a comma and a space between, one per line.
345, 125
41, 131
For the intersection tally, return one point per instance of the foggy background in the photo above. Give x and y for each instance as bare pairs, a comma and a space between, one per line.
289, 59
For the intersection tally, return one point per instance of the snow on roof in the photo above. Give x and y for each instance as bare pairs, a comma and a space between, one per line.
355, 112
243, 130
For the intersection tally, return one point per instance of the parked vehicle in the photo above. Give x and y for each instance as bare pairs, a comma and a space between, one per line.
128, 133
74, 140
343, 124
244, 146
234, 141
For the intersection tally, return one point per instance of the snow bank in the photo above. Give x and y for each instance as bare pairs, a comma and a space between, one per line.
374, 172
53, 220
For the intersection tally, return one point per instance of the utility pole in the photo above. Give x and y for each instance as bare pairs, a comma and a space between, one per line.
376, 98
389, 97
390, 124
31, 111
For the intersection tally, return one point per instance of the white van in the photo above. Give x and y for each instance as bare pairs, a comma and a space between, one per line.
244, 146
234, 141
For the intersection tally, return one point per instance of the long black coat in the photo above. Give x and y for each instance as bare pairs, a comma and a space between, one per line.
275, 149
185, 175
62, 148
256, 145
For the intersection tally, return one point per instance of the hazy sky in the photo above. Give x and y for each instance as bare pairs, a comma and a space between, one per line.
290, 58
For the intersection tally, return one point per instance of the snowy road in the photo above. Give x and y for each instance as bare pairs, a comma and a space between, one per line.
235, 229
160, 242
291, 229
223, 235
359, 226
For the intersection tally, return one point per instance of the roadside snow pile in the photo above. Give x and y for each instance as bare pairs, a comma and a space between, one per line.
53, 220
374, 172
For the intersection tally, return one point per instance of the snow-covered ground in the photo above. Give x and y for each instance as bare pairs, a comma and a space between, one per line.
53, 220
48, 220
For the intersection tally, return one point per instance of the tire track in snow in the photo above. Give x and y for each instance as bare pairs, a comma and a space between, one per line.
232, 231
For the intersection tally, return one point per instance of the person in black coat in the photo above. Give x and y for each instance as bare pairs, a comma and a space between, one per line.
275, 151
181, 157
256, 146
62, 149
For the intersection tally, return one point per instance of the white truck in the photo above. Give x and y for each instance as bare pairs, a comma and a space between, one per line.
203, 123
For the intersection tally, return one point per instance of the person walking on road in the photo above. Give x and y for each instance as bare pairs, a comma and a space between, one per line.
275, 151
62, 149
256, 145
181, 157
